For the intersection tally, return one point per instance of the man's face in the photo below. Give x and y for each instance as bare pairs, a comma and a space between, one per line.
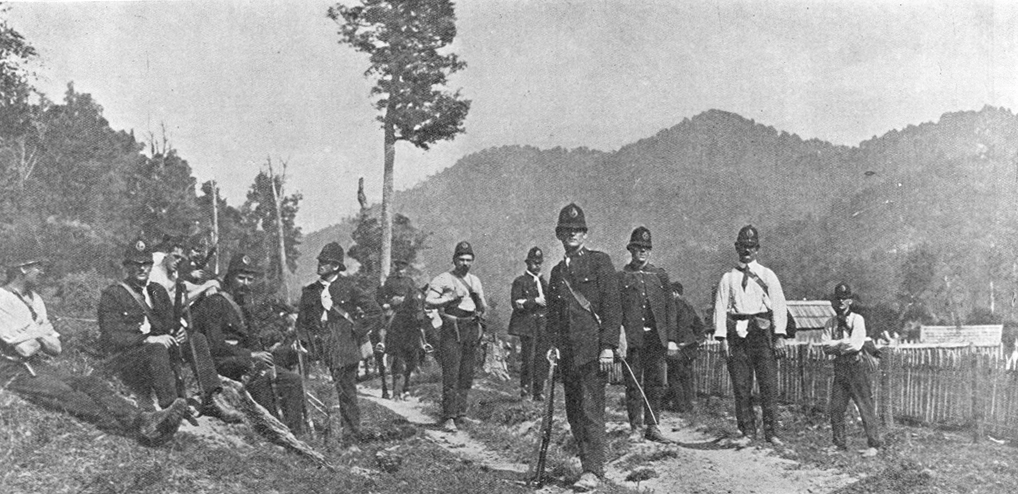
33, 273
398, 267
327, 268
138, 272
571, 238
240, 283
842, 305
747, 254
639, 254
534, 266
462, 263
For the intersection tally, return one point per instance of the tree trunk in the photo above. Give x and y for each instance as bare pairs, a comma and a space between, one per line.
277, 201
215, 224
390, 158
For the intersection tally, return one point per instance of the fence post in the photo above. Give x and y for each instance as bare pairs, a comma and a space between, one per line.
886, 388
801, 366
977, 402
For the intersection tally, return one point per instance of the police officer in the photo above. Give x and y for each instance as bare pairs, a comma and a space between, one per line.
584, 318
136, 326
224, 319
750, 316
689, 332
336, 317
459, 296
530, 307
648, 316
844, 336
25, 332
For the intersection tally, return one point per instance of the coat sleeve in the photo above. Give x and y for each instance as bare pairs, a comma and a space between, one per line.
213, 319
307, 316
119, 326
371, 320
555, 306
671, 330
611, 303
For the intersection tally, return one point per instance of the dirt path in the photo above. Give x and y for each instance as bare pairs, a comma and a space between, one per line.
696, 463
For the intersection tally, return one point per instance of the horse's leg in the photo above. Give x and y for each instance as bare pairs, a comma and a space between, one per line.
380, 362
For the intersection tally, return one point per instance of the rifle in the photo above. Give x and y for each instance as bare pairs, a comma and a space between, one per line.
309, 398
535, 474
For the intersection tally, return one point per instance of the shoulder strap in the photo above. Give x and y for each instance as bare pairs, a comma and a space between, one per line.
235, 306
35, 315
755, 277
581, 299
140, 301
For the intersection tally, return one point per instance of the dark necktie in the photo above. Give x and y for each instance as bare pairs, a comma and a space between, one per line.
745, 275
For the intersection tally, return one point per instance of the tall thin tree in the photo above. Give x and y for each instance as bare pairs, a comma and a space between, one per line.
403, 39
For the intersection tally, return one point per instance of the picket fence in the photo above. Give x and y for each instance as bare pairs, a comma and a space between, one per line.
962, 387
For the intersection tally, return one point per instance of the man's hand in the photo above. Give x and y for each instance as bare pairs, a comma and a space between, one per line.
163, 339
727, 352
180, 338
607, 358
673, 349
262, 357
380, 347
519, 303
541, 301
398, 300
779, 346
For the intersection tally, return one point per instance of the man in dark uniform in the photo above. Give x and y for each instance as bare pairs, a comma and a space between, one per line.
530, 308
459, 296
136, 326
223, 318
648, 313
402, 336
25, 330
689, 331
750, 317
336, 317
584, 318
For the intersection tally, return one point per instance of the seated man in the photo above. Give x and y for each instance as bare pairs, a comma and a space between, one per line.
237, 351
138, 328
25, 331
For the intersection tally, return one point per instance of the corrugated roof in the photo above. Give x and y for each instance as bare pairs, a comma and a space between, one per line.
810, 314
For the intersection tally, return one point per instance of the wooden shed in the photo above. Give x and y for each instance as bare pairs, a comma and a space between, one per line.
810, 317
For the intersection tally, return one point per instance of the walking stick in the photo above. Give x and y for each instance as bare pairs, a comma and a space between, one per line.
535, 474
640, 388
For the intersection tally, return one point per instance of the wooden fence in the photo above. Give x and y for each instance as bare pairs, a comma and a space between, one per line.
965, 387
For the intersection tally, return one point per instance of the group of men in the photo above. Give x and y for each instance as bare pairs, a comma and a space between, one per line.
168, 311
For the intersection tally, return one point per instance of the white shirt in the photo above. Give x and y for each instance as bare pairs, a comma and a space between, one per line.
853, 341
732, 298
447, 286
16, 323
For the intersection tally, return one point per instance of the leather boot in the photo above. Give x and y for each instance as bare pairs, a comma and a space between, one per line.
216, 406
155, 428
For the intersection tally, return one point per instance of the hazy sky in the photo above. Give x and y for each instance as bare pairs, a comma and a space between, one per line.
237, 81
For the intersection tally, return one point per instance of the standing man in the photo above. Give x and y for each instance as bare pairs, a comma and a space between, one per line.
689, 329
648, 316
749, 320
528, 324
224, 320
336, 317
136, 326
844, 336
460, 299
25, 331
584, 317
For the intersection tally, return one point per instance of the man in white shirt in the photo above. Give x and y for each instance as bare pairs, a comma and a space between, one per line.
26, 333
460, 299
750, 317
844, 336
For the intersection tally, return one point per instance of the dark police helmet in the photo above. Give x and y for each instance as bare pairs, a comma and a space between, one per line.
138, 252
463, 249
640, 238
842, 291
748, 237
535, 255
332, 253
571, 217
242, 263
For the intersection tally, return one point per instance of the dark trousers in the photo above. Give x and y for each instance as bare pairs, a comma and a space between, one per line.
458, 353
534, 370
198, 355
681, 384
753, 356
148, 368
283, 396
648, 365
86, 397
584, 393
346, 390
851, 381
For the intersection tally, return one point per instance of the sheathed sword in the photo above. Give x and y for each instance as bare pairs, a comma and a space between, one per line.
535, 474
